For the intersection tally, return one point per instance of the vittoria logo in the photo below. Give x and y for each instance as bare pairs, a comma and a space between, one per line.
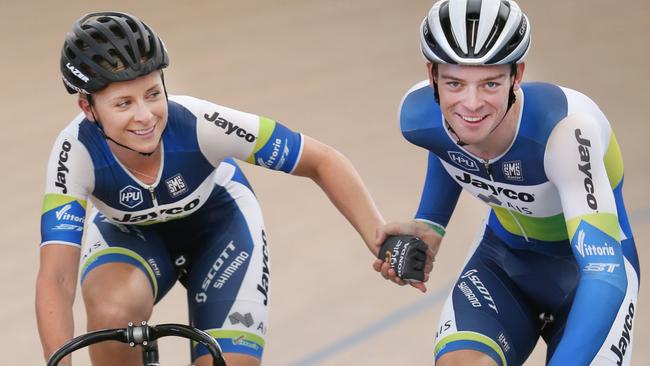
176, 185
512, 170
463, 160
130, 196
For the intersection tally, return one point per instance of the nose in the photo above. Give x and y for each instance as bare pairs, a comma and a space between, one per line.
143, 112
472, 100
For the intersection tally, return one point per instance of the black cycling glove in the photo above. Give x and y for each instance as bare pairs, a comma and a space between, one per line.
406, 254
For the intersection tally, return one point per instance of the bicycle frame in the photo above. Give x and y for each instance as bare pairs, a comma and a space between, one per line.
143, 335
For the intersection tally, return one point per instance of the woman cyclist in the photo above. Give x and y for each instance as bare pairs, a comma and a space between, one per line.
168, 200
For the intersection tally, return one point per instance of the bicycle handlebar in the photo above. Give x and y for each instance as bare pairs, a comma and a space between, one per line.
144, 335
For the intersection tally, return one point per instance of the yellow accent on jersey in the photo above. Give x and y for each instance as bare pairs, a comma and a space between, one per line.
607, 222
235, 334
614, 161
55, 200
128, 253
552, 228
472, 336
267, 126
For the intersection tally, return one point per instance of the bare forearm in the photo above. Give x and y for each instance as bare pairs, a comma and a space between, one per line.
344, 187
54, 314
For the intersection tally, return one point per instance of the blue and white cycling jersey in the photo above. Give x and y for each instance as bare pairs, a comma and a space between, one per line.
198, 137
557, 189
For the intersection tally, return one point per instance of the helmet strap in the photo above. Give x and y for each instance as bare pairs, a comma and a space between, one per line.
99, 125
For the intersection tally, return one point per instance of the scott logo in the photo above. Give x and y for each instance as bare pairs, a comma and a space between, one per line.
62, 169
130, 196
521, 196
585, 168
229, 127
624, 341
463, 161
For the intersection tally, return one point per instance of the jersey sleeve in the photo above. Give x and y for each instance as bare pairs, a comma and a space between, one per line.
223, 132
575, 161
439, 196
69, 179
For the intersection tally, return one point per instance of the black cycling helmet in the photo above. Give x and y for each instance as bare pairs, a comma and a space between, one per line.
106, 47
475, 32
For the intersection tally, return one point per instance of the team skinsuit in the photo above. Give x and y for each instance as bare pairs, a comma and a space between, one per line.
199, 222
555, 257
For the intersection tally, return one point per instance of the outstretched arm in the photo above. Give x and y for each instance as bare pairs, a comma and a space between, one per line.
336, 176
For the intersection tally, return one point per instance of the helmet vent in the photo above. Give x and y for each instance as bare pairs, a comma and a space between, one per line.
117, 31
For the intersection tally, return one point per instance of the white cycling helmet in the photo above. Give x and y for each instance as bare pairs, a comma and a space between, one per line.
475, 32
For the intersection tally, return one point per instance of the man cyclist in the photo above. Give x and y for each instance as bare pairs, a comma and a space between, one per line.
555, 257
168, 200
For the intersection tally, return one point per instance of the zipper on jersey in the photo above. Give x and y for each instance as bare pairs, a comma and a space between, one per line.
152, 191
486, 164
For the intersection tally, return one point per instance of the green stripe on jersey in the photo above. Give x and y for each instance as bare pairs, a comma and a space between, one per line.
267, 126
236, 334
551, 228
607, 222
614, 162
128, 253
54, 200
472, 336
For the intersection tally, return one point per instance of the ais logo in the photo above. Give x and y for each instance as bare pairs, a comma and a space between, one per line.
130, 196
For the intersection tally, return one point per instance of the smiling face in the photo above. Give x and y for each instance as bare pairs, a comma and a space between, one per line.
474, 99
132, 112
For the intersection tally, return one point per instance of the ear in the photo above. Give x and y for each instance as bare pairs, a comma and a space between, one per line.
519, 76
433, 73
85, 107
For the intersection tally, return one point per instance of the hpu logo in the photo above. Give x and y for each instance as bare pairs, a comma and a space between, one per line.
176, 185
130, 196
463, 161
512, 170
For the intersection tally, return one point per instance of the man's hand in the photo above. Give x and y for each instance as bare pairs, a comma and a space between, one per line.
406, 255
414, 228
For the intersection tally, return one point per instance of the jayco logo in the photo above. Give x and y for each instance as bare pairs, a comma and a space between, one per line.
61, 169
229, 127
620, 349
585, 168
263, 286
495, 190
77, 73
463, 161
130, 196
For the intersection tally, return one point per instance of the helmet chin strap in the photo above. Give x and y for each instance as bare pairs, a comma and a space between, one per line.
101, 128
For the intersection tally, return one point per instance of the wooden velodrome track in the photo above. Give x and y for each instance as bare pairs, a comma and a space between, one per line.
335, 70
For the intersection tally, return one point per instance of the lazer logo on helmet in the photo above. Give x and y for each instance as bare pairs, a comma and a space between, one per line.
229, 127
585, 168
153, 215
62, 169
77, 73
522, 196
